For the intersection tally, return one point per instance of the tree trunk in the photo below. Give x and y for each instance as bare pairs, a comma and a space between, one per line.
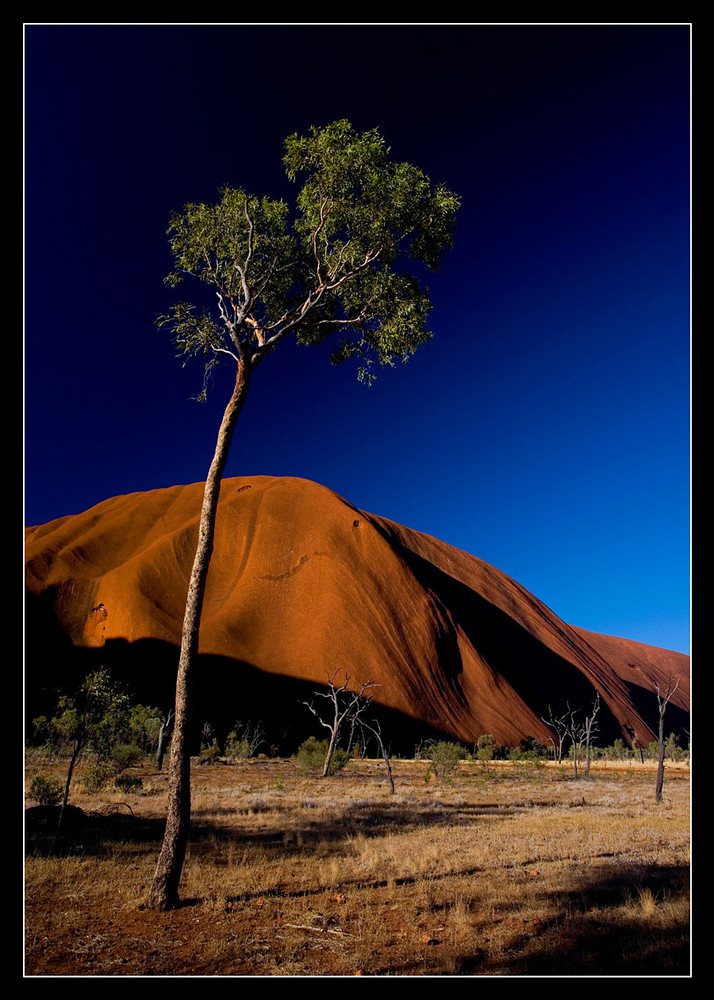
660, 762
78, 747
330, 752
163, 740
387, 763
164, 890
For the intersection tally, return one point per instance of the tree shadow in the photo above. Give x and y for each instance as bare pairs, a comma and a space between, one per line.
92, 833
87, 833
600, 928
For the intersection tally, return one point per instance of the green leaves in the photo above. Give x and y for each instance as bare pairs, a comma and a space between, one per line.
348, 266
98, 714
353, 193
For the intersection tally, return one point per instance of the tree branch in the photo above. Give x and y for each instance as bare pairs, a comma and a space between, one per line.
323, 217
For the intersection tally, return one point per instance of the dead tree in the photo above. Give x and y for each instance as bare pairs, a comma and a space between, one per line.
576, 731
636, 745
590, 726
244, 739
662, 702
163, 738
375, 729
559, 726
345, 708
253, 733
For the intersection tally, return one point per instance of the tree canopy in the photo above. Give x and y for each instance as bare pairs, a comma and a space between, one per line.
341, 264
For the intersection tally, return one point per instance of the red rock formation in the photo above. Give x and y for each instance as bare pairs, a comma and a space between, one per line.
302, 583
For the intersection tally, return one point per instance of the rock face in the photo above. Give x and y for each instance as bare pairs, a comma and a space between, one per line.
303, 584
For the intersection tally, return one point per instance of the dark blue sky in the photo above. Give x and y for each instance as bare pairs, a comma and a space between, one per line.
546, 426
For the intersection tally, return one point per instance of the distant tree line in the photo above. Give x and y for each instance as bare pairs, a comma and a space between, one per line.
99, 721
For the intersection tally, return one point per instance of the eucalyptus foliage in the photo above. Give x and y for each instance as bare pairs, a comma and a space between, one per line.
341, 264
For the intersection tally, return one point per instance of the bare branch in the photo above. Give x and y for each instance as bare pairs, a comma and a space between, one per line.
289, 321
251, 228
370, 257
376, 730
338, 264
347, 706
663, 700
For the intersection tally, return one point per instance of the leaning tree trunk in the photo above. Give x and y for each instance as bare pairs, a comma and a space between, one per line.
330, 752
79, 745
164, 890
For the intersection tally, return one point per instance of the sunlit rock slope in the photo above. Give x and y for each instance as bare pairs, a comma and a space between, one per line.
303, 584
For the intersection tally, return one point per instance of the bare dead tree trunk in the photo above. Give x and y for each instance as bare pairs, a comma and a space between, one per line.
590, 729
164, 891
559, 725
376, 730
576, 731
163, 739
662, 702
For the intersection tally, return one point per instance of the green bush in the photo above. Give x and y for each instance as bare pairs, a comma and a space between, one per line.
443, 756
210, 755
237, 748
312, 754
126, 755
96, 776
522, 755
46, 791
128, 783
485, 747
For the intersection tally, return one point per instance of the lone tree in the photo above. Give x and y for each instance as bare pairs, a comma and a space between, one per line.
343, 267
663, 699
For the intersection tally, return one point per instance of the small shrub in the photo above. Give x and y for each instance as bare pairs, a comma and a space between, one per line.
46, 791
237, 748
210, 755
519, 755
96, 776
312, 754
485, 747
128, 783
126, 755
619, 751
444, 757
672, 748
340, 760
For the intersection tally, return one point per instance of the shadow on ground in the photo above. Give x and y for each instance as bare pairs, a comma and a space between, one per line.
92, 832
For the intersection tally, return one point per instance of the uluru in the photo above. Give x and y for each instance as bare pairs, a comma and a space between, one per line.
303, 584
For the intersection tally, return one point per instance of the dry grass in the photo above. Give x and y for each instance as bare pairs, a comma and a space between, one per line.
505, 871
